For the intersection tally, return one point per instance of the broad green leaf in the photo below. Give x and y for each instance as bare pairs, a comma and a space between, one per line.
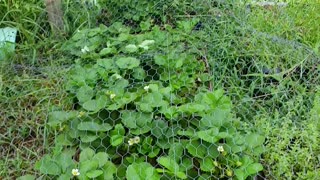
159, 127
118, 86
153, 152
154, 99
240, 174
106, 64
257, 151
123, 37
63, 139
127, 62
141, 130
253, 168
73, 132
196, 149
87, 166
58, 117
202, 149
107, 51
192, 108
189, 132
86, 154
210, 135
169, 112
88, 137
179, 63
161, 60
217, 118
246, 160
65, 159
81, 76
95, 127
145, 25
92, 105
143, 119
128, 118
181, 175
204, 176
108, 170
187, 26
233, 147
223, 135
217, 99
168, 163
131, 48
65, 176
206, 164
186, 164
118, 130
253, 140
172, 166
116, 140
139, 73
146, 43
94, 173
101, 157
85, 93
117, 27
164, 143
122, 101
48, 166
133, 119
176, 151
141, 171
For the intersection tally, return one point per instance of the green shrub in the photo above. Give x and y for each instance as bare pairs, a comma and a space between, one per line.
292, 145
144, 111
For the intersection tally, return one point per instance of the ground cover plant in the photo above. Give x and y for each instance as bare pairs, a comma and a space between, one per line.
132, 109
185, 90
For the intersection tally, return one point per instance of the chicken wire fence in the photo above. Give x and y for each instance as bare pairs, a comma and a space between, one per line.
177, 90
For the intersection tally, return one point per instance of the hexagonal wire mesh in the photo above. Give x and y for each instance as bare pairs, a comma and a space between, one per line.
167, 122
153, 89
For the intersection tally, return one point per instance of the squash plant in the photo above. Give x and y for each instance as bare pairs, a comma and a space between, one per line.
144, 111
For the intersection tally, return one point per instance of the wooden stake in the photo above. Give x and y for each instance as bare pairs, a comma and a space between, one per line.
55, 15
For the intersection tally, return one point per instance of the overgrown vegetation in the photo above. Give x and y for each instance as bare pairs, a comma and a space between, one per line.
185, 90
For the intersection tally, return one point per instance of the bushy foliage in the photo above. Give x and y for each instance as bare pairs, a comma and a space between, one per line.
293, 144
144, 110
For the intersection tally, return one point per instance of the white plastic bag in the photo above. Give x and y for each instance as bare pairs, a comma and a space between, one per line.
7, 42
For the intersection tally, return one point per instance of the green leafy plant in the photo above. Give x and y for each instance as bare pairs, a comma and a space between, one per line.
148, 123
132, 108
291, 144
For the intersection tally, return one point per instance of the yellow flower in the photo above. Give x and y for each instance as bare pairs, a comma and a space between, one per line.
75, 172
220, 149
